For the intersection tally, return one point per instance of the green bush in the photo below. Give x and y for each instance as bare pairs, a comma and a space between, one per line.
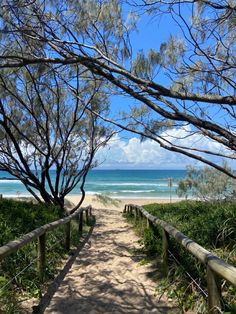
18, 218
207, 184
213, 226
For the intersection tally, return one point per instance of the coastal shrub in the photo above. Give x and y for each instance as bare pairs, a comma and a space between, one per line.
16, 219
213, 226
210, 225
207, 184
148, 238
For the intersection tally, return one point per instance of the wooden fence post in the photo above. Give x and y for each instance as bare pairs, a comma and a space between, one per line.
131, 210
67, 239
135, 213
41, 256
165, 253
140, 214
86, 217
81, 222
125, 209
90, 211
214, 292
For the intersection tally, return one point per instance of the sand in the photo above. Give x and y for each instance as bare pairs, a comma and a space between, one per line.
106, 276
91, 200
96, 203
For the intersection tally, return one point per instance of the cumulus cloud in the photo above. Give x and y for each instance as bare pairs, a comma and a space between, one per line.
133, 153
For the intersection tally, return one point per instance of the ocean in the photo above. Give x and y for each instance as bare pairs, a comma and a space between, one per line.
114, 183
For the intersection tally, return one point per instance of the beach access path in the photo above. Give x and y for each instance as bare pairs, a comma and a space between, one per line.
106, 275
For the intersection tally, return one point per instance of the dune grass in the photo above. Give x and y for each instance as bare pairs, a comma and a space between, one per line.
213, 226
16, 219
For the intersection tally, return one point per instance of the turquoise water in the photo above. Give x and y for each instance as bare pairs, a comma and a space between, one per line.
115, 183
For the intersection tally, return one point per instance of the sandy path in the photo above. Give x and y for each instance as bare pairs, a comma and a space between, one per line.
105, 277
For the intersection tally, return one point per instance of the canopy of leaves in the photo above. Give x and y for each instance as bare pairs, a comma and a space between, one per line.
189, 80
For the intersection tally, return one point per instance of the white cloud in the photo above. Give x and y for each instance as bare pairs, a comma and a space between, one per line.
136, 154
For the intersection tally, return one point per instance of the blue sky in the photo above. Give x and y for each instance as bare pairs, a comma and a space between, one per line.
126, 151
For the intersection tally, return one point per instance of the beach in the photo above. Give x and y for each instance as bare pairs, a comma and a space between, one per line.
94, 202
73, 200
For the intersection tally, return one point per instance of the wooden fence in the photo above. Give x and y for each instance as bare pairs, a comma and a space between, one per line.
216, 268
40, 234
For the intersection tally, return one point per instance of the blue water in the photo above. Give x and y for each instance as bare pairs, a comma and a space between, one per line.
114, 183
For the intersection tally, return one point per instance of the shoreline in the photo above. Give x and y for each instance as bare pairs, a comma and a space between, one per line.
113, 204
120, 203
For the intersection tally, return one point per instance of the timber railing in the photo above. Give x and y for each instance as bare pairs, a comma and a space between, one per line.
40, 235
216, 268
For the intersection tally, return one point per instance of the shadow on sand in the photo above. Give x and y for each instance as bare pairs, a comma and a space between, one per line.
52, 288
102, 287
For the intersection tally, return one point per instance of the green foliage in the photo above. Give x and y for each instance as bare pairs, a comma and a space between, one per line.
213, 226
209, 225
177, 288
16, 219
207, 184
142, 65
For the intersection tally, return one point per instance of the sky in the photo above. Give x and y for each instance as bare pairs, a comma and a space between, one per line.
126, 150
132, 153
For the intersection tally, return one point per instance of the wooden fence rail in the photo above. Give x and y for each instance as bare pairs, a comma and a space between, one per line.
40, 234
216, 268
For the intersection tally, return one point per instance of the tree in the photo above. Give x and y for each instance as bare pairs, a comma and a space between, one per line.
44, 128
207, 184
199, 95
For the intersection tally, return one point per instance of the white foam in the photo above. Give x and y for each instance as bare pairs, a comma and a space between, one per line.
90, 193
148, 198
16, 195
136, 191
9, 181
132, 184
